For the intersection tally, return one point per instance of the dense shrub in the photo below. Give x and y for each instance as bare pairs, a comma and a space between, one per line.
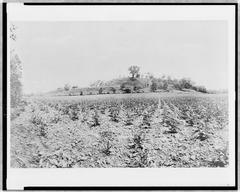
15, 79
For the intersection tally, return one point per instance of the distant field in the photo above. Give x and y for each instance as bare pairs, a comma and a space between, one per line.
121, 130
132, 95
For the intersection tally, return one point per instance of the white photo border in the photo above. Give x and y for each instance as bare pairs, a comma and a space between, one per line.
152, 178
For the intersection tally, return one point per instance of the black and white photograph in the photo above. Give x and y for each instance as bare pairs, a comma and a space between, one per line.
113, 87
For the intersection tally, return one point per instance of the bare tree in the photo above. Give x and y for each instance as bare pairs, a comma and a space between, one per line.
13, 35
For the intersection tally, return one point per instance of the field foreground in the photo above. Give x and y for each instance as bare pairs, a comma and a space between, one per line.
143, 130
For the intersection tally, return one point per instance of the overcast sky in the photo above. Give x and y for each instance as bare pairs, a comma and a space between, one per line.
78, 53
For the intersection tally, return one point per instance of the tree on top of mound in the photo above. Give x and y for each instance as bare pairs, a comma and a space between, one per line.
134, 71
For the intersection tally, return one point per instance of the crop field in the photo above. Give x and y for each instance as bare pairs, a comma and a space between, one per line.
125, 131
